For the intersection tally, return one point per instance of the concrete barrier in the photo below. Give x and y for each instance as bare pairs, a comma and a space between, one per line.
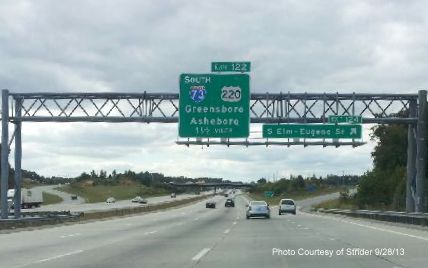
390, 216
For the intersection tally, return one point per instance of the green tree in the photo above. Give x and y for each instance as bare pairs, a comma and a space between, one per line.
385, 185
261, 181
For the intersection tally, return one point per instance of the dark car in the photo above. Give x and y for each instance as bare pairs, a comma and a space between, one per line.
210, 204
229, 203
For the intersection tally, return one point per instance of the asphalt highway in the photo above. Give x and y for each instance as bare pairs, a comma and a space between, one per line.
194, 236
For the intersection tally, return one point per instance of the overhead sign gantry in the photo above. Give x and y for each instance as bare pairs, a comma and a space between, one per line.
199, 108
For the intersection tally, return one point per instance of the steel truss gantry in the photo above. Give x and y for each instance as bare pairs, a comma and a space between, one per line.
264, 108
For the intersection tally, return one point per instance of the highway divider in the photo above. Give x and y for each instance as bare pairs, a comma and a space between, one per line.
390, 216
32, 219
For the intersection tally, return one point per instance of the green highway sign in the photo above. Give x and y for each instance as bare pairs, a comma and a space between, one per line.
214, 106
351, 119
312, 131
268, 193
242, 67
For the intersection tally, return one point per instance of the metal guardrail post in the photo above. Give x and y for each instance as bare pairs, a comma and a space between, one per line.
4, 153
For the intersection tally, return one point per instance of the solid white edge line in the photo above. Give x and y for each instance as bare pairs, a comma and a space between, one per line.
375, 228
60, 256
201, 253
227, 231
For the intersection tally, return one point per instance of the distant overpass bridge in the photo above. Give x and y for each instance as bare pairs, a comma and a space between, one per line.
211, 185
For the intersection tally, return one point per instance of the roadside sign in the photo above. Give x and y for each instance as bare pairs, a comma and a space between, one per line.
351, 119
242, 67
268, 193
214, 106
312, 131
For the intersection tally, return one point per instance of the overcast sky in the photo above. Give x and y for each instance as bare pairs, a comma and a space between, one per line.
136, 46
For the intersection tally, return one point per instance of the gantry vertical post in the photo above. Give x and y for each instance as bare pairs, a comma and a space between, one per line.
421, 152
4, 153
411, 159
18, 157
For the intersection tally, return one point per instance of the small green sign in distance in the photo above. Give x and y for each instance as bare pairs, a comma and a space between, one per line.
351, 119
242, 67
268, 193
214, 106
312, 131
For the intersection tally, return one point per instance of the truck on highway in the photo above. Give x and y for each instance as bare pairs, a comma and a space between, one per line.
29, 198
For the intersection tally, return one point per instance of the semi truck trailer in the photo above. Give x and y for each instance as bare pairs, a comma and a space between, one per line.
29, 198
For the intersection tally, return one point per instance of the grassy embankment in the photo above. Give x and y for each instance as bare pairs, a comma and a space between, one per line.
337, 203
295, 195
49, 199
352, 204
100, 193
28, 184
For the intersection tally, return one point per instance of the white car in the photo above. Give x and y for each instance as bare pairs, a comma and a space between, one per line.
139, 199
110, 200
287, 206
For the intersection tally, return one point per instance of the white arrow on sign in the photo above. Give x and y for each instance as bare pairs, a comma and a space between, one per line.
353, 131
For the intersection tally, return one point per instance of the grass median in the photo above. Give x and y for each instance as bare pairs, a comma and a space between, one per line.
100, 193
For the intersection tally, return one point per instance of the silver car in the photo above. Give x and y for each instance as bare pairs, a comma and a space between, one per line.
258, 209
139, 199
287, 205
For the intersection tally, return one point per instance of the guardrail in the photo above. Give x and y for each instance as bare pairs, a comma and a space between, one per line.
48, 214
390, 216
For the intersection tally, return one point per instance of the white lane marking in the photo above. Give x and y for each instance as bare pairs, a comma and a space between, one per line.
152, 232
60, 256
129, 224
306, 228
237, 218
389, 231
332, 239
299, 225
196, 219
183, 213
201, 253
377, 228
227, 231
234, 222
70, 235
